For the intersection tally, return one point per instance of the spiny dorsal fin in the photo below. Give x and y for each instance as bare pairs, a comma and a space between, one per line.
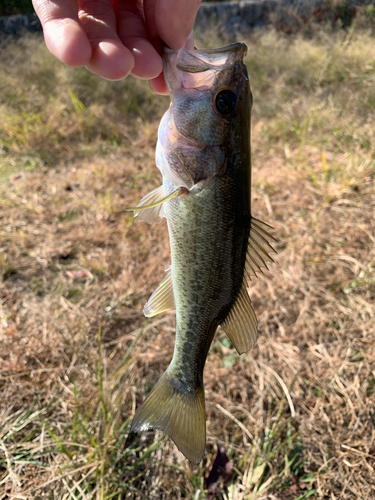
241, 324
150, 209
177, 410
259, 248
163, 298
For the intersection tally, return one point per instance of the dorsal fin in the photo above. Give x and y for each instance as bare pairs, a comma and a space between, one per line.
259, 248
163, 298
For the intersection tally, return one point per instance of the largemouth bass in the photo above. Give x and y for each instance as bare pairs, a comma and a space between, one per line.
203, 153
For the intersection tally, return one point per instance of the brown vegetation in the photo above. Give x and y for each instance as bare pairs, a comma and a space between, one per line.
296, 414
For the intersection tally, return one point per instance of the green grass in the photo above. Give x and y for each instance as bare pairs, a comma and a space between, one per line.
91, 453
51, 114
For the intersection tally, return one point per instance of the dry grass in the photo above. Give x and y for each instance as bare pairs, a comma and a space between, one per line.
296, 415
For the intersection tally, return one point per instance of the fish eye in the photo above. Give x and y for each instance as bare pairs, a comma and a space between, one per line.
226, 102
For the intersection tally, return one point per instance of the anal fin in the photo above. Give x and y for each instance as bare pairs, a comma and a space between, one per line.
177, 410
162, 299
241, 324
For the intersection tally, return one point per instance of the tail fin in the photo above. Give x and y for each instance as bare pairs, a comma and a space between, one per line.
178, 411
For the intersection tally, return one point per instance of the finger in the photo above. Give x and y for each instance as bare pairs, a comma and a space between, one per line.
174, 20
132, 32
190, 42
110, 58
158, 85
63, 34
148, 63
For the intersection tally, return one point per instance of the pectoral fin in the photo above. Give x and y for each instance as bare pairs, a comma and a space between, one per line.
241, 324
150, 209
162, 299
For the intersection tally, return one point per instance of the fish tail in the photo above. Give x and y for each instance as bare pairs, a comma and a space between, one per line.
178, 410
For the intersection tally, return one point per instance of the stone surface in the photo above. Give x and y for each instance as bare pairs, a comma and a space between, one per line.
237, 18
233, 17
14, 25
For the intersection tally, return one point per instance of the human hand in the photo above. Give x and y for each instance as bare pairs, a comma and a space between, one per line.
115, 38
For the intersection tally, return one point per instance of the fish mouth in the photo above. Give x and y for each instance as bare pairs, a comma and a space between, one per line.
206, 59
201, 64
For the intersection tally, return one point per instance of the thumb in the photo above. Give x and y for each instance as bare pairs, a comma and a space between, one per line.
174, 20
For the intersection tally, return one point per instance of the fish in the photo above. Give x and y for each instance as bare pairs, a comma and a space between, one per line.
217, 246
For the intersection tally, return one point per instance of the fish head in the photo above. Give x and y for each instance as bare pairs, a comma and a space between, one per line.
209, 112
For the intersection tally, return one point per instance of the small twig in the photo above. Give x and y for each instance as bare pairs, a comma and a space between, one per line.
13, 476
135, 332
92, 465
240, 424
284, 387
358, 452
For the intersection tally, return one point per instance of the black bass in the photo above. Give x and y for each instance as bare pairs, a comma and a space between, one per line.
203, 153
